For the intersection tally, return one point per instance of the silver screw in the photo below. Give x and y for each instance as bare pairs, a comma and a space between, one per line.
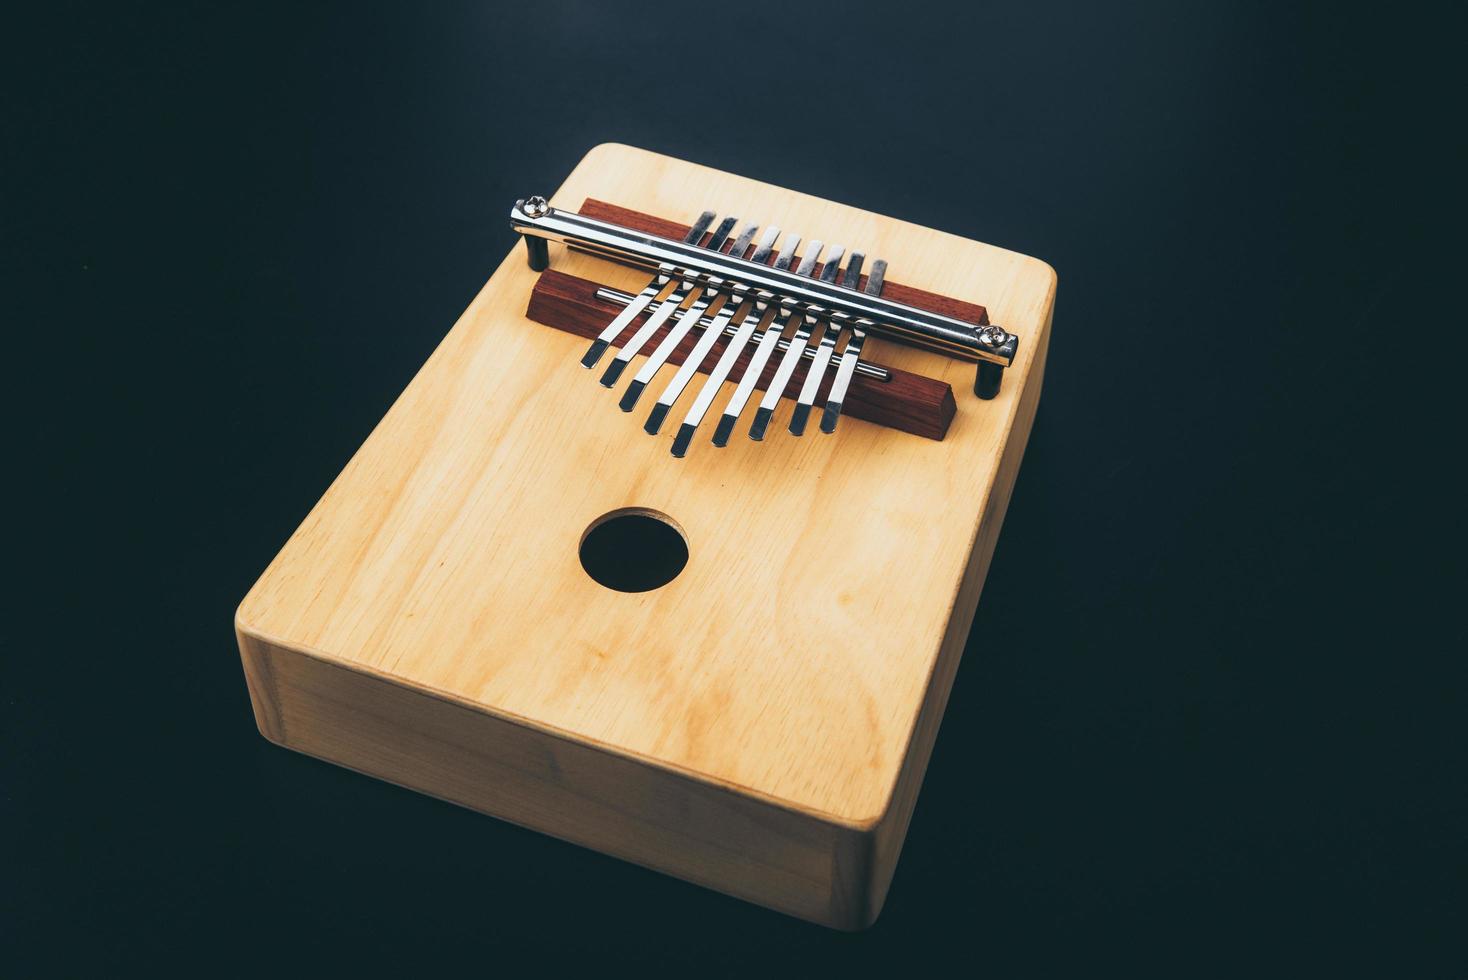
992, 336
536, 207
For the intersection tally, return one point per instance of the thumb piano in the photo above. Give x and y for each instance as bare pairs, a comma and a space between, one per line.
673, 545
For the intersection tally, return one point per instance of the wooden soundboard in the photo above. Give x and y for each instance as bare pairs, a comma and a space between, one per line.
761, 723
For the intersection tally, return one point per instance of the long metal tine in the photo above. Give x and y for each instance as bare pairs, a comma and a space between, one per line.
649, 292
792, 353
775, 319
748, 320
660, 316
687, 317
852, 354
827, 346
737, 304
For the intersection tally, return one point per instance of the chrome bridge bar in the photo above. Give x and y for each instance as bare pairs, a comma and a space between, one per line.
992, 346
611, 295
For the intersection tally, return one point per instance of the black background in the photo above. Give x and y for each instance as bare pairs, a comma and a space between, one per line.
1194, 730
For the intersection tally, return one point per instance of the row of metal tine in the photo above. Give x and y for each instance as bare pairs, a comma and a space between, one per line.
720, 308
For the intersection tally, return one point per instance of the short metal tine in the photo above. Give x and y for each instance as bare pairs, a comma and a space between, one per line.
740, 248
752, 311
737, 303
775, 318
852, 354
640, 302
680, 327
660, 316
827, 346
804, 324
766, 246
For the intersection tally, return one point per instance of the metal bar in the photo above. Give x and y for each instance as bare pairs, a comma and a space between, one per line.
922, 327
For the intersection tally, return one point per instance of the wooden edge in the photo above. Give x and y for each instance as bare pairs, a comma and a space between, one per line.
895, 291
907, 402
788, 860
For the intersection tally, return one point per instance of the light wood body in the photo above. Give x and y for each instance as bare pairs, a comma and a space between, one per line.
759, 725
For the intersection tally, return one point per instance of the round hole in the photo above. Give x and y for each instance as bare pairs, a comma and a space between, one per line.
633, 550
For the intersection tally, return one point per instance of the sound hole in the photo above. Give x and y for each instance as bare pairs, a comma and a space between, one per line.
633, 550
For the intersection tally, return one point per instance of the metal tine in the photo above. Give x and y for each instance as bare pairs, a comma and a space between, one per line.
852, 354
873, 371
734, 301
747, 320
649, 292
827, 347
685, 322
776, 318
665, 309
792, 353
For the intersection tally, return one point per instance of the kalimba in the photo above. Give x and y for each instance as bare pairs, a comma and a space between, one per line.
719, 648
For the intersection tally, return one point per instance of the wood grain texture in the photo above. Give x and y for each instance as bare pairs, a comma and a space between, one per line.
907, 402
759, 725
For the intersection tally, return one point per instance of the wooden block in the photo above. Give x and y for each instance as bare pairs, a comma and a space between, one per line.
761, 723
912, 296
907, 402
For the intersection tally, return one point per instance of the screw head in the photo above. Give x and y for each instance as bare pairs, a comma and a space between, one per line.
536, 206
993, 336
